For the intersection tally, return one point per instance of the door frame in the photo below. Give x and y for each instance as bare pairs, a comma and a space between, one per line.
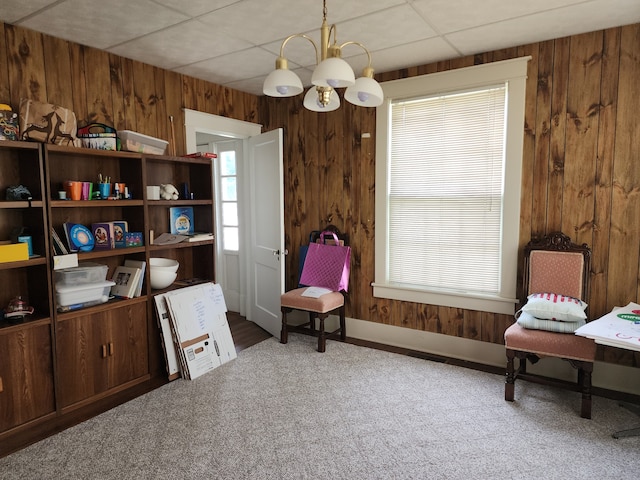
206, 123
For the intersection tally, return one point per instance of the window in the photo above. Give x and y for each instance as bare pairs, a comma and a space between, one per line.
448, 175
229, 200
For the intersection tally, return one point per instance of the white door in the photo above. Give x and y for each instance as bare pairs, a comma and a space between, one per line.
266, 265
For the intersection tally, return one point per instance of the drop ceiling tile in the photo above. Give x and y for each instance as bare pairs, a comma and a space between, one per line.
544, 26
267, 21
194, 8
338, 11
93, 22
381, 29
180, 45
452, 15
228, 68
13, 10
418, 53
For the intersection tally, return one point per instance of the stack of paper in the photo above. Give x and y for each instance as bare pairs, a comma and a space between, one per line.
619, 328
196, 333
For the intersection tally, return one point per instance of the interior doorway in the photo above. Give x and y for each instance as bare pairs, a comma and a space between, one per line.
226, 137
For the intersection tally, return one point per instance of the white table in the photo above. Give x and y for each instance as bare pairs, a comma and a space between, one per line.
619, 328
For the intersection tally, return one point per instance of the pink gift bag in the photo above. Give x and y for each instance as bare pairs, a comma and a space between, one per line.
327, 266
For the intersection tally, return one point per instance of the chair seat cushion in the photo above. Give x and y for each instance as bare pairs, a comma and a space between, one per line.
325, 303
550, 344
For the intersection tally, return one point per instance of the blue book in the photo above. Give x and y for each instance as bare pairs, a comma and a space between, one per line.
181, 220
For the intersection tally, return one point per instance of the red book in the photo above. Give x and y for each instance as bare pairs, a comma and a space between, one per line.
201, 155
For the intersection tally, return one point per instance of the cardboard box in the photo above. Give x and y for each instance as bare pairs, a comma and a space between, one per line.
14, 252
137, 142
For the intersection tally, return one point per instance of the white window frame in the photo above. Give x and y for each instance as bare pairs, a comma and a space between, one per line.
514, 74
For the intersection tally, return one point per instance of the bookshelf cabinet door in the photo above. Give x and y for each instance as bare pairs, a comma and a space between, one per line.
26, 375
102, 351
82, 361
128, 344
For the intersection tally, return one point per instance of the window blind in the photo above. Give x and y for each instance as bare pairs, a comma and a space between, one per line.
446, 170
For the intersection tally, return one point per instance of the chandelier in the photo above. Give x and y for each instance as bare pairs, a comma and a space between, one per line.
331, 72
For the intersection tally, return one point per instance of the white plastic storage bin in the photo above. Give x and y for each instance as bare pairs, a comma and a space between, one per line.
85, 272
137, 142
90, 292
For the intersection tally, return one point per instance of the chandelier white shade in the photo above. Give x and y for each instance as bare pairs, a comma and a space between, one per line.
282, 83
316, 99
331, 72
366, 92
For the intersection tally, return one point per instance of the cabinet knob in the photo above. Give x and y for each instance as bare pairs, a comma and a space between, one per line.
110, 348
1, 386
104, 351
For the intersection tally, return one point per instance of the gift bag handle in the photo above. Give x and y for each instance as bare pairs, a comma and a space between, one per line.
335, 237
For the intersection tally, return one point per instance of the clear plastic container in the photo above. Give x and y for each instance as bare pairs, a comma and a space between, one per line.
68, 295
137, 142
85, 272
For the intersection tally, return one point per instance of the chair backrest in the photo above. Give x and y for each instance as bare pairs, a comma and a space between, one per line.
554, 264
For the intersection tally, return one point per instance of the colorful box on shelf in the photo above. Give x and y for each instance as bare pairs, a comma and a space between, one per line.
137, 142
14, 252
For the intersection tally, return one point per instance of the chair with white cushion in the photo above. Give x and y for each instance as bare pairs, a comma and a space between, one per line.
556, 282
317, 308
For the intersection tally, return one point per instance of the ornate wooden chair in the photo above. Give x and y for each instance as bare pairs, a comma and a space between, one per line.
552, 265
317, 308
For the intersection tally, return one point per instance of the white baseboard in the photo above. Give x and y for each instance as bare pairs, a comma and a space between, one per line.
605, 375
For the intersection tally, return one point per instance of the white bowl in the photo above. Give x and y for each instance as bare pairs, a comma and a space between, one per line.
162, 278
164, 264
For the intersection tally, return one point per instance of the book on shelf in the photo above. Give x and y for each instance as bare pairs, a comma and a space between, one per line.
104, 235
201, 155
168, 239
126, 281
120, 227
78, 306
66, 226
142, 265
181, 220
59, 248
199, 237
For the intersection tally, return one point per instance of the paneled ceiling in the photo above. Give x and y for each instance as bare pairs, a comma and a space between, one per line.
236, 42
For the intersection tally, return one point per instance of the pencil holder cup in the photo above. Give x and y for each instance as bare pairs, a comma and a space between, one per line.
105, 190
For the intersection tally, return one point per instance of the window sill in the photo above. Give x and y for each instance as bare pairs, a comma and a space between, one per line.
467, 301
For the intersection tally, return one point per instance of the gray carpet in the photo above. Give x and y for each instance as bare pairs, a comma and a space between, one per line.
289, 412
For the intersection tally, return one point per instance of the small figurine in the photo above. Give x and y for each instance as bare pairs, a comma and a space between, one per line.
168, 192
17, 310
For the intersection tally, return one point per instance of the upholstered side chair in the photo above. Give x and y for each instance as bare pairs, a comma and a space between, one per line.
552, 265
317, 308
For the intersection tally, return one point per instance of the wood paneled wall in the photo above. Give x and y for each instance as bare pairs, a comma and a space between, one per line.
581, 175
106, 88
581, 153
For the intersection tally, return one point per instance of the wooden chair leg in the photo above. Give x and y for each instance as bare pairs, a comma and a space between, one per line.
312, 321
584, 376
284, 336
343, 326
509, 385
322, 339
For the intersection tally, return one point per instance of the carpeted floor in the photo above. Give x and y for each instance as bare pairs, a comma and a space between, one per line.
289, 412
